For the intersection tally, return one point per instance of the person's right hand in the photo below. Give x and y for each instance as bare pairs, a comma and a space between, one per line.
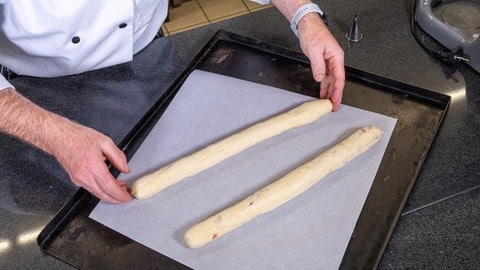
82, 152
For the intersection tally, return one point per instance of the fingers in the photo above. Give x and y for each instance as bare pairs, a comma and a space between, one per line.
326, 58
115, 156
105, 187
332, 87
337, 93
87, 167
328, 68
318, 66
82, 152
110, 190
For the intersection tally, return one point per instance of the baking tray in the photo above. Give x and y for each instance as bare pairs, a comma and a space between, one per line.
74, 238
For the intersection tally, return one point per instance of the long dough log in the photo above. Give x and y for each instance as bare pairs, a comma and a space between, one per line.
284, 189
213, 154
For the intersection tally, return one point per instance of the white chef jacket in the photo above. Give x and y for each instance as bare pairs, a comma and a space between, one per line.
49, 38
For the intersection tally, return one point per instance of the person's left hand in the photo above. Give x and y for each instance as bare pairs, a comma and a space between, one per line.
325, 55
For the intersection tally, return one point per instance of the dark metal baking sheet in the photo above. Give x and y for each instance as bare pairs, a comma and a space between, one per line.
82, 242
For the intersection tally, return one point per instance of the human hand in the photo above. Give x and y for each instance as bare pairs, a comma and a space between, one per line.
325, 55
82, 152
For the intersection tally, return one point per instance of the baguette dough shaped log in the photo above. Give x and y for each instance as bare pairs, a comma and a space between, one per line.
215, 153
281, 191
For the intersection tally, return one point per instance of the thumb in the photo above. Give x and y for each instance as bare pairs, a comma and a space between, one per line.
115, 156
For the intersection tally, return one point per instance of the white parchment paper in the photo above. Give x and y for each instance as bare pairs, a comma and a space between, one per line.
310, 232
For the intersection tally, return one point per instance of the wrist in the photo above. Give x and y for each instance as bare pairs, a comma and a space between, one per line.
310, 20
304, 13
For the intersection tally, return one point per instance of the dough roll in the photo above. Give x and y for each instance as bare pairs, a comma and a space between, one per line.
281, 191
215, 153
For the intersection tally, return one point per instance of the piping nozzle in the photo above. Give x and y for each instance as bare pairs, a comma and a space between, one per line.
354, 34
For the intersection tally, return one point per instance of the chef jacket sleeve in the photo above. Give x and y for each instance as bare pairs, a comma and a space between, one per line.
4, 84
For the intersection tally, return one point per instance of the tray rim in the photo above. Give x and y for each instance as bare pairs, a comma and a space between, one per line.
137, 134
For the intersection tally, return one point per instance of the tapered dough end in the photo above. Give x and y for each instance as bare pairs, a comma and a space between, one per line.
140, 188
375, 132
317, 105
199, 235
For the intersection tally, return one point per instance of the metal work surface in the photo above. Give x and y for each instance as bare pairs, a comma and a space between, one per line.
71, 235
